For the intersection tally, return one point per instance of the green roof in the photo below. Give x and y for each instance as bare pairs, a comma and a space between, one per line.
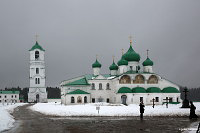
131, 55
124, 90
113, 66
138, 90
147, 62
82, 81
153, 90
170, 90
122, 61
96, 64
78, 91
9, 92
36, 46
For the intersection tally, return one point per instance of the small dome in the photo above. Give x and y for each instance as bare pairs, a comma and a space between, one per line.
170, 90
131, 55
113, 66
147, 62
124, 90
122, 61
138, 90
96, 64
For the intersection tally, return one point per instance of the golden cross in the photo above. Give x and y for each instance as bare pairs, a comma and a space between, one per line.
130, 38
122, 51
96, 56
113, 57
36, 37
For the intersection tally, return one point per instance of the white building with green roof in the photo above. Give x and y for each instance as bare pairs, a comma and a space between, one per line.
7, 97
37, 90
126, 84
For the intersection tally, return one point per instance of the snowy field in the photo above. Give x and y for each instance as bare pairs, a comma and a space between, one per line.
7, 120
110, 110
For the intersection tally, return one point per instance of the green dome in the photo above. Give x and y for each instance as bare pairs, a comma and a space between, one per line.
113, 66
122, 61
36, 46
147, 62
96, 64
153, 90
138, 90
131, 55
124, 90
170, 90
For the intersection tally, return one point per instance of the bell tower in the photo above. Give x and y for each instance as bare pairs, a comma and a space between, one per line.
37, 90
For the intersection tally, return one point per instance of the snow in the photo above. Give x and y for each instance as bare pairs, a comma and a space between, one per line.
110, 110
6, 119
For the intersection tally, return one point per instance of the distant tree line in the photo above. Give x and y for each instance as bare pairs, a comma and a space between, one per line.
54, 92
192, 95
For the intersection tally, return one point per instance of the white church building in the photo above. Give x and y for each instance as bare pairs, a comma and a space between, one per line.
125, 84
37, 91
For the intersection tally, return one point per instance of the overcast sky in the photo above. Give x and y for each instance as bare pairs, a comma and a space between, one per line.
73, 32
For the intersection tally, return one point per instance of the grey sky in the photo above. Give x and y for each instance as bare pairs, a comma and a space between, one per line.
73, 32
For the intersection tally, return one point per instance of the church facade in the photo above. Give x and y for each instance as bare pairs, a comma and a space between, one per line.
37, 91
126, 84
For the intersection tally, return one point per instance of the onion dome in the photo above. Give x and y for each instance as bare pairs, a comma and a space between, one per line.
96, 64
37, 46
113, 66
122, 61
131, 55
147, 62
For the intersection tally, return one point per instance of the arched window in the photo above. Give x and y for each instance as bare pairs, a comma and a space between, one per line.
139, 79
100, 86
36, 81
72, 99
152, 80
37, 70
108, 86
79, 99
85, 99
37, 55
93, 86
125, 80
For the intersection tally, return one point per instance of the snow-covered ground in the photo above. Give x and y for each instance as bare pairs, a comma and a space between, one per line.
111, 110
7, 120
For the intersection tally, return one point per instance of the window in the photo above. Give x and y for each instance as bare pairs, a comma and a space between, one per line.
170, 100
0, 101
12, 96
15, 96
5, 101
38, 80
37, 55
107, 100
72, 99
37, 70
93, 100
5, 96
141, 99
157, 99
0, 96
100, 86
93, 86
177, 100
108, 86
85, 99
